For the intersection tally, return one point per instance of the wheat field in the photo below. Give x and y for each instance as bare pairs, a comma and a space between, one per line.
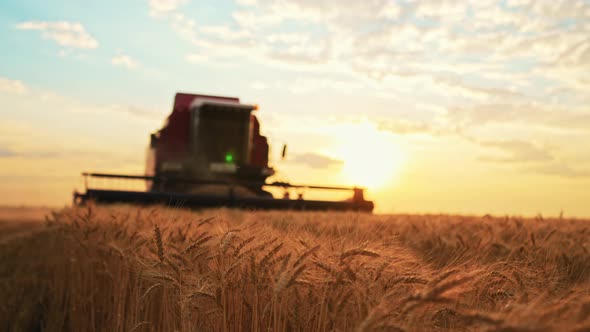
124, 268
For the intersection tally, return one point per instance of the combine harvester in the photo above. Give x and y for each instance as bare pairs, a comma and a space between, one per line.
208, 154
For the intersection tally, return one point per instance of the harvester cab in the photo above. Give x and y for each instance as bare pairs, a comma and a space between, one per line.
210, 152
208, 138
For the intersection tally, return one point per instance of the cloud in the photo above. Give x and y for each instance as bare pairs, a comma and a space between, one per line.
459, 88
405, 127
307, 85
67, 148
23, 97
483, 62
89, 157
124, 61
68, 34
530, 114
6, 152
532, 158
133, 110
12, 86
315, 160
517, 151
314, 51
195, 58
257, 85
160, 8
347, 12
41, 154
15, 150
247, 2
560, 169
381, 33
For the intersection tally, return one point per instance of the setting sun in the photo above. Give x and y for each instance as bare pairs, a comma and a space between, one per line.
371, 158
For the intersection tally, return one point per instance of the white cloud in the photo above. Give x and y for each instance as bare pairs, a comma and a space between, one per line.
517, 151
533, 158
64, 33
196, 58
384, 34
124, 61
479, 61
12, 86
525, 113
405, 127
225, 33
247, 2
183, 25
160, 8
307, 85
257, 85
560, 169
442, 10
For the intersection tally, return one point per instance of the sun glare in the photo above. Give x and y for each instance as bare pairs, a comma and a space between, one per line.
371, 158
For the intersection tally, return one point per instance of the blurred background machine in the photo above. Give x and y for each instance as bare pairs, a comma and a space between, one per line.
210, 153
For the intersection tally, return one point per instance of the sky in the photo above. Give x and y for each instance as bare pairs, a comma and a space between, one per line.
442, 106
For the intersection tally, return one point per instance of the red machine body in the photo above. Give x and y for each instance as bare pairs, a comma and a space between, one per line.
209, 137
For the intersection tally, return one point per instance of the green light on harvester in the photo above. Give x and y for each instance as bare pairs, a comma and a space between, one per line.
229, 158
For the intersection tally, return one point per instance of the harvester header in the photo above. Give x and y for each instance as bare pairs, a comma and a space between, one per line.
210, 152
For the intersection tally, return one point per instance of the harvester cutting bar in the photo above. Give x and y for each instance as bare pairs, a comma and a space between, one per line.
229, 199
204, 181
222, 182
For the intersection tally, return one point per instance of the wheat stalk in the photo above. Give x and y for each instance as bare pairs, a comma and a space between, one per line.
358, 252
158, 240
150, 290
306, 254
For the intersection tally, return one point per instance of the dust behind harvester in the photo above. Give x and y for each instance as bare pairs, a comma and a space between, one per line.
210, 153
